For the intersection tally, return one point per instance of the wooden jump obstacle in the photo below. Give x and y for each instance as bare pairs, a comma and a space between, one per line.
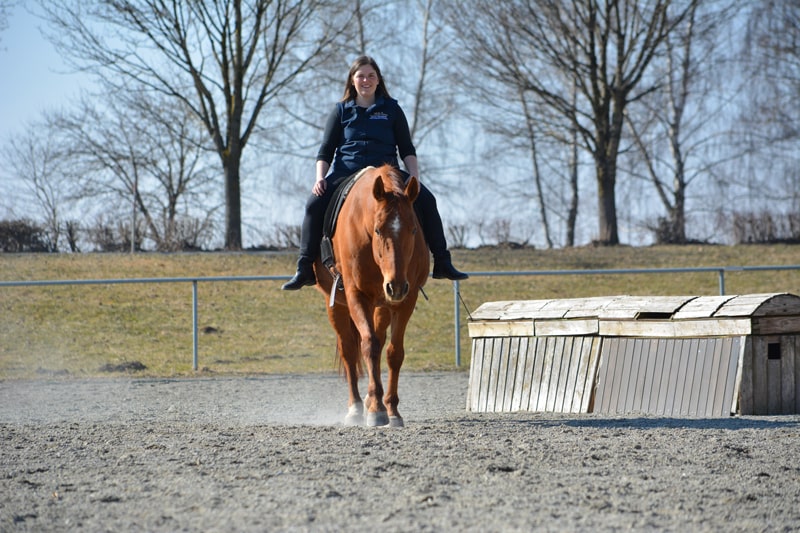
695, 356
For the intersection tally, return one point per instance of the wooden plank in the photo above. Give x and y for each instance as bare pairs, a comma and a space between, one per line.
673, 357
627, 384
795, 344
486, 379
746, 398
589, 386
686, 328
575, 347
502, 372
576, 378
701, 307
582, 352
700, 375
680, 376
641, 359
578, 307
504, 310
511, 373
776, 325
684, 378
779, 304
485, 375
494, 373
474, 383
543, 328
745, 305
557, 360
605, 372
616, 362
661, 374
705, 377
538, 388
691, 372
500, 328
760, 399
714, 405
565, 356
733, 353
590, 307
632, 306
519, 379
566, 375
787, 375
527, 373
649, 369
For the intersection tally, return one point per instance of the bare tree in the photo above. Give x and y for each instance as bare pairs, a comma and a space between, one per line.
37, 160
604, 49
670, 127
771, 50
5, 9
142, 151
226, 61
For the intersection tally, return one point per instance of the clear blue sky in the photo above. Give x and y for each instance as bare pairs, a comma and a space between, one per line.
32, 75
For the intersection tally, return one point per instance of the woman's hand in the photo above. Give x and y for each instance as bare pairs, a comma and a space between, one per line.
319, 187
321, 171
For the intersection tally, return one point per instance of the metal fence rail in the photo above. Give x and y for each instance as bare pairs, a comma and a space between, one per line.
721, 271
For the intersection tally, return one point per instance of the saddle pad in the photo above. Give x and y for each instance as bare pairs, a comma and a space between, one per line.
343, 187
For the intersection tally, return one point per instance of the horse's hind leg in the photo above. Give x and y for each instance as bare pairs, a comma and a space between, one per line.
347, 338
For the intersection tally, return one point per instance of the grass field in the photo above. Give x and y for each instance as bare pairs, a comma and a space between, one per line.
252, 327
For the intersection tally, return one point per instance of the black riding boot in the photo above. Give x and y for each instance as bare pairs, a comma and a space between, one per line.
431, 222
310, 237
303, 277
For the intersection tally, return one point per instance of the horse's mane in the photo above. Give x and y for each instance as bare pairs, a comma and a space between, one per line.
392, 179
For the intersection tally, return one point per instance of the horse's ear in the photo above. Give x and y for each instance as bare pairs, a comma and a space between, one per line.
377, 188
412, 188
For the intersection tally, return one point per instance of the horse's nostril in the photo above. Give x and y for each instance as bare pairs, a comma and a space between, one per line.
405, 288
389, 289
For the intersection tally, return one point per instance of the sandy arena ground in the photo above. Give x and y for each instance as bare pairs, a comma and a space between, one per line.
270, 454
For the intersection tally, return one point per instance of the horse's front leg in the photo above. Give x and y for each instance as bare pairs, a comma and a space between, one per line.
361, 312
395, 354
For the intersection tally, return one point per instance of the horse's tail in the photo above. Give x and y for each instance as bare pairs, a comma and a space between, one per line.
340, 361
340, 364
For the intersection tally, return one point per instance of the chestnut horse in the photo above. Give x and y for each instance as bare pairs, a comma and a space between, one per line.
383, 261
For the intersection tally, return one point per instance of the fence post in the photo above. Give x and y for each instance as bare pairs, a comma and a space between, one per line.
194, 325
457, 313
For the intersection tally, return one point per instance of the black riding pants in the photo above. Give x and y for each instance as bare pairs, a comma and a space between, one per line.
424, 206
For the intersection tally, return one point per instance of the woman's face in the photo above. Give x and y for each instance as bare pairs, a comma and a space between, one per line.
366, 81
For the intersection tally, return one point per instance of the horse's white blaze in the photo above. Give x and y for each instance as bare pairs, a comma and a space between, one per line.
396, 225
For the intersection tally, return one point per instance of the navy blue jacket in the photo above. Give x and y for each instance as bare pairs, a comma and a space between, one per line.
356, 137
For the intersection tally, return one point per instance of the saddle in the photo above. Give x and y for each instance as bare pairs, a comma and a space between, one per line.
343, 187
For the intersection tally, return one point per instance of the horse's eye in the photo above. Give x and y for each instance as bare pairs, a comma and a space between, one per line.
377, 231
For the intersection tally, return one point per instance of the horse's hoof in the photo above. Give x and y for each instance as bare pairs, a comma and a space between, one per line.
396, 422
355, 415
377, 419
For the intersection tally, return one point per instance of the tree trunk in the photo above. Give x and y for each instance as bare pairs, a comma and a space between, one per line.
607, 203
233, 204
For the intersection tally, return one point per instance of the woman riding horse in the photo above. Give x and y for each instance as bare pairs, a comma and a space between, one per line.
367, 128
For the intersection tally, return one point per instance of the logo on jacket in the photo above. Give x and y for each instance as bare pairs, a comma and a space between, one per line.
379, 116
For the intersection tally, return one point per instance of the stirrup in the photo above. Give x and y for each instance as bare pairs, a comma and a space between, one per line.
337, 285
